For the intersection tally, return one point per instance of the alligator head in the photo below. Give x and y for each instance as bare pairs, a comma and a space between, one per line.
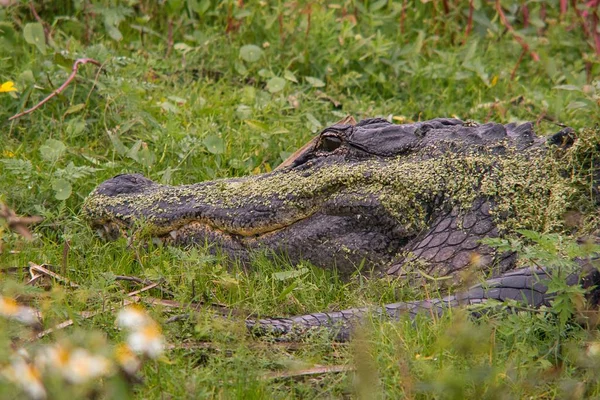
367, 192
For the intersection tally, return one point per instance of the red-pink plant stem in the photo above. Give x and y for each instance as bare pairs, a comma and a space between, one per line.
564, 5
525, 12
595, 30
518, 38
469, 21
78, 62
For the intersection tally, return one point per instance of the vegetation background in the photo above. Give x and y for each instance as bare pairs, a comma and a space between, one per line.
190, 90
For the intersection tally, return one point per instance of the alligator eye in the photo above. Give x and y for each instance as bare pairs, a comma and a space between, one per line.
330, 143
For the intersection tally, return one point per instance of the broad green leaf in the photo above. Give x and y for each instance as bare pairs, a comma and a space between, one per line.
250, 53
275, 84
63, 61
146, 157
259, 126
314, 82
378, 5
289, 75
117, 144
287, 275
265, 73
419, 42
169, 107
62, 189
568, 87
134, 150
243, 111
34, 34
313, 123
576, 105
52, 150
75, 108
214, 144
72, 173
113, 32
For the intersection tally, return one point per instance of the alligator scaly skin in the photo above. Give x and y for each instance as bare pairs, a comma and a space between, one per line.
404, 199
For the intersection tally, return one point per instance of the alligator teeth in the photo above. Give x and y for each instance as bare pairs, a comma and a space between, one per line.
173, 234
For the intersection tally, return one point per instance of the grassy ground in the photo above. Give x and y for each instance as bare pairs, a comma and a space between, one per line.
196, 90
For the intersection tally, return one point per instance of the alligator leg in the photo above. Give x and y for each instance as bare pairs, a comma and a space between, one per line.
523, 285
452, 244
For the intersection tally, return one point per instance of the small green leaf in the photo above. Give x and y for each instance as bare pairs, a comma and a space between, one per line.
568, 87
113, 32
146, 157
243, 111
576, 105
254, 124
214, 144
62, 189
250, 53
314, 82
34, 34
289, 75
276, 84
52, 150
287, 275
75, 108
117, 143
134, 150
378, 5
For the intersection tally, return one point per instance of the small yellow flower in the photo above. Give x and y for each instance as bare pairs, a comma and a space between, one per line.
8, 87
10, 309
27, 376
8, 154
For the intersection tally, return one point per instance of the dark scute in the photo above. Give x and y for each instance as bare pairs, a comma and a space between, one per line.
380, 137
124, 184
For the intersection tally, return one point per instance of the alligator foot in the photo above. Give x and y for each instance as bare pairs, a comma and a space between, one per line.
525, 286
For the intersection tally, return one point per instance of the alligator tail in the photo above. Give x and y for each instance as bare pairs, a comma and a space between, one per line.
525, 286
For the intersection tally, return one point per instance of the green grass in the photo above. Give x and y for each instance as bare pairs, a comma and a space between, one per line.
202, 108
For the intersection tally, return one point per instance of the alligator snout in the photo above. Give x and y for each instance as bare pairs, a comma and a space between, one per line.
124, 184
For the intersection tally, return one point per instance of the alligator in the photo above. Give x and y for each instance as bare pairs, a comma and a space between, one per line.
398, 200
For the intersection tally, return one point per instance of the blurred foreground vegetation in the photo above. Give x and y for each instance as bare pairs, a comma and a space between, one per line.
190, 90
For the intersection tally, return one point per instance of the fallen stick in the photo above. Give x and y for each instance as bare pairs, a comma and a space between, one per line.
16, 223
78, 62
319, 370
41, 271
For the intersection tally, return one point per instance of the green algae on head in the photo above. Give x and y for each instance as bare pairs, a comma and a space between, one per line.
366, 195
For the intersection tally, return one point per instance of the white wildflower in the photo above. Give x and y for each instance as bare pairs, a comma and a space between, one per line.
75, 365
147, 340
133, 317
127, 359
10, 309
27, 377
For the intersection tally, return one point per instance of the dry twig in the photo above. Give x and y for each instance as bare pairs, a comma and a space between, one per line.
318, 370
16, 223
78, 62
37, 271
